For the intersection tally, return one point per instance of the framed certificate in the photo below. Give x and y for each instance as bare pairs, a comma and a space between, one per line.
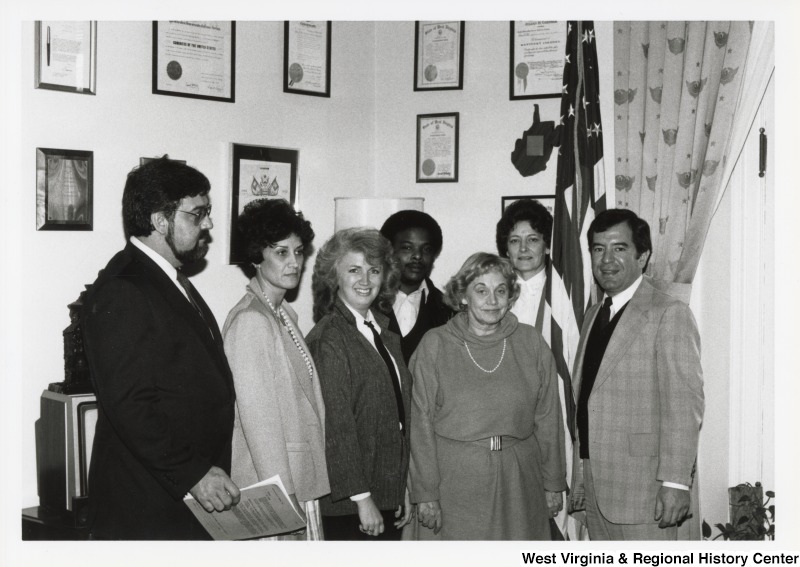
195, 59
307, 58
66, 56
549, 201
537, 59
259, 172
438, 56
64, 189
437, 148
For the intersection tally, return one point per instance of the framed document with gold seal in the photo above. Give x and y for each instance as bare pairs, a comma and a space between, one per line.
307, 58
195, 59
439, 56
437, 147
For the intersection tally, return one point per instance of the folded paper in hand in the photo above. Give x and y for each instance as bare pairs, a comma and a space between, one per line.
264, 510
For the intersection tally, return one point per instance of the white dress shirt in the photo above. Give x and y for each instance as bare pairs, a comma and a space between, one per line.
406, 307
161, 262
526, 307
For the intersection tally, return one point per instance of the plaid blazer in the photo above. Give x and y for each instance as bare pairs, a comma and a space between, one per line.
364, 448
645, 408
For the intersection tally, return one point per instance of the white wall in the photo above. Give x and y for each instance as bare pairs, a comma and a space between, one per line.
124, 121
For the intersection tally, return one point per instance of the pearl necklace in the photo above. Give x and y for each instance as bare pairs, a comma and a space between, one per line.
481, 367
281, 314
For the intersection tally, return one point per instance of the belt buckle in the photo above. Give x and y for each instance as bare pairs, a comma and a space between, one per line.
496, 443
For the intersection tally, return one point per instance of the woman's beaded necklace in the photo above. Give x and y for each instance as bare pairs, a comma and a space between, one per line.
502, 356
281, 314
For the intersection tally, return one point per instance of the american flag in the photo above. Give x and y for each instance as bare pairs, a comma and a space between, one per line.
580, 193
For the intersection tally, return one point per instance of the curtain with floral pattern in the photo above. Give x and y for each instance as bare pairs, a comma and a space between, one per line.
676, 88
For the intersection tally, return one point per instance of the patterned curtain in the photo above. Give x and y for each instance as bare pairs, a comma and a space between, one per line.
676, 88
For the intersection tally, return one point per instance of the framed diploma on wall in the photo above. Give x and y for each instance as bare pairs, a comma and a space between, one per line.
195, 59
439, 56
259, 172
537, 59
66, 56
307, 58
549, 201
64, 189
437, 147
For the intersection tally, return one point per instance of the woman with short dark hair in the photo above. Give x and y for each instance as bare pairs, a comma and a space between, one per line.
523, 236
280, 415
366, 387
487, 440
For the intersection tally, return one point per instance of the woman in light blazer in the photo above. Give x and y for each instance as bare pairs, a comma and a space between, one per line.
280, 416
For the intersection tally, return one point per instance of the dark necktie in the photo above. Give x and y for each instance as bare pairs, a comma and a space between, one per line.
387, 359
191, 293
604, 315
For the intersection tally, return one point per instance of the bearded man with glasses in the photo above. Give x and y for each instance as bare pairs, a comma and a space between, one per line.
163, 385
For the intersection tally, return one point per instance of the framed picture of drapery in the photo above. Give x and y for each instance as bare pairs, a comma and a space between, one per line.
259, 172
64, 189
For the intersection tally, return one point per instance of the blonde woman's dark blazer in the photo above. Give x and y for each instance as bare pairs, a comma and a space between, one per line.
365, 449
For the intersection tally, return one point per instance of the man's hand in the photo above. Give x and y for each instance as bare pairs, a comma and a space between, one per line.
370, 517
672, 506
216, 491
429, 515
555, 502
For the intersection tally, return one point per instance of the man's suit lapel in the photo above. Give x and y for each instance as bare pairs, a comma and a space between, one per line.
630, 325
168, 289
588, 321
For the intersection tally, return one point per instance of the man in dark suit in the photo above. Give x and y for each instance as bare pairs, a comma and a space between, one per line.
639, 390
163, 386
417, 241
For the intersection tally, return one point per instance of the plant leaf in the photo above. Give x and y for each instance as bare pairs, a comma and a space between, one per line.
770, 493
706, 530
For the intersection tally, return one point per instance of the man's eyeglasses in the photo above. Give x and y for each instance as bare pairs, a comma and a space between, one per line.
203, 214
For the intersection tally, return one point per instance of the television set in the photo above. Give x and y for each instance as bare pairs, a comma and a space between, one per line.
64, 438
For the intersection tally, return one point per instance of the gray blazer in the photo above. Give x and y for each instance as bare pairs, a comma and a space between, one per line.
279, 426
646, 406
365, 450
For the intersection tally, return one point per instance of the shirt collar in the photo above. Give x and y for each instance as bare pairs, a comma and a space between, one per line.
422, 287
370, 318
535, 283
623, 297
156, 257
